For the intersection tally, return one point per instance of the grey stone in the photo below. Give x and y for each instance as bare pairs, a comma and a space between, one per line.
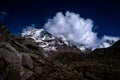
25, 73
38, 70
26, 60
10, 54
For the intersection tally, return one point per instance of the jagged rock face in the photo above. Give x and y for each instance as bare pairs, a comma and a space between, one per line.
24, 59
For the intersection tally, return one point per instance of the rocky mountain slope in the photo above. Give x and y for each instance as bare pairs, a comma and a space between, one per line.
24, 59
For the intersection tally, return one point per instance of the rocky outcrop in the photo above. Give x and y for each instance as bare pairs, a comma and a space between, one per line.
27, 61
23, 59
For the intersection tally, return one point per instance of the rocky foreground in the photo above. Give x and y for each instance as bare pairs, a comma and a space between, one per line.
23, 59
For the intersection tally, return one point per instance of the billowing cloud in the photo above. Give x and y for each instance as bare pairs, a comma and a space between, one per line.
73, 28
77, 30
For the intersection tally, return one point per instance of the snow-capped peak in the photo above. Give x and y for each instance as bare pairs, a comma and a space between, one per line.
32, 33
47, 41
108, 41
50, 43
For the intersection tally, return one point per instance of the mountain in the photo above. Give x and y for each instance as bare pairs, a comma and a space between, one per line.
24, 59
51, 43
107, 41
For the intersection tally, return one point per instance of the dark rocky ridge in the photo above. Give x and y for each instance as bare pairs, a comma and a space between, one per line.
22, 59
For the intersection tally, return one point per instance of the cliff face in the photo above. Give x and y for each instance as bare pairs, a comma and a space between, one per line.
23, 59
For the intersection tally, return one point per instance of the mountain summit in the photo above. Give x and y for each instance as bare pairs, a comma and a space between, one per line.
50, 42
44, 57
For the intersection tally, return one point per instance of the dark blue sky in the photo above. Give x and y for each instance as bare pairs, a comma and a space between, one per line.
21, 13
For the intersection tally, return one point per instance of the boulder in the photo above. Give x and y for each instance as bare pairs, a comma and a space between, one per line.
9, 54
13, 72
27, 61
25, 73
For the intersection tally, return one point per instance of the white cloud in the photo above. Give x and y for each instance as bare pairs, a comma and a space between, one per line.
77, 30
110, 38
73, 28
3, 14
